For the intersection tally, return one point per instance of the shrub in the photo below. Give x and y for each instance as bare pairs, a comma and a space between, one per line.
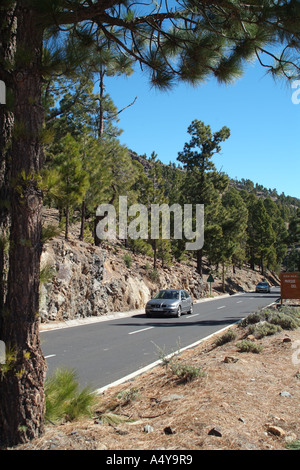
88, 235
47, 273
128, 395
230, 335
287, 318
249, 346
185, 372
294, 445
154, 276
294, 311
50, 231
64, 402
251, 319
259, 330
127, 260
140, 246
285, 321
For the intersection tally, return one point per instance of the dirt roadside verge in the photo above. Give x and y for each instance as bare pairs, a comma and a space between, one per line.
239, 401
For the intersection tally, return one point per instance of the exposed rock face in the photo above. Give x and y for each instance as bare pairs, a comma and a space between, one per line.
77, 279
90, 281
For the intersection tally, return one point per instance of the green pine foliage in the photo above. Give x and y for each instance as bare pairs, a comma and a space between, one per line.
64, 400
73, 179
244, 223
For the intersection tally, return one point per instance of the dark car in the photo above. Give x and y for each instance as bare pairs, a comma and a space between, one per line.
263, 287
170, 302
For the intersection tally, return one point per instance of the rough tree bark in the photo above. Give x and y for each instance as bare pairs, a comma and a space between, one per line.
7, 51
22, 379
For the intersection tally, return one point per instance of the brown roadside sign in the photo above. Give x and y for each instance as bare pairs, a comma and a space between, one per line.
290, 285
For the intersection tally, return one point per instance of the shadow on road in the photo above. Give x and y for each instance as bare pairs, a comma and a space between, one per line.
179, 323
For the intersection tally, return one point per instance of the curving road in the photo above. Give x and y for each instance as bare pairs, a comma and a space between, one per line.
108, 351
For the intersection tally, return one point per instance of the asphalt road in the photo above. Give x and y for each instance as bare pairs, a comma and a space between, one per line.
105, 352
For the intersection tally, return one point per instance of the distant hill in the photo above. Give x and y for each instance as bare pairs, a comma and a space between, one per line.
261, 191
287, 204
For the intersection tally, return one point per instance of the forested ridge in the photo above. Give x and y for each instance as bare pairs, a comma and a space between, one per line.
245, 223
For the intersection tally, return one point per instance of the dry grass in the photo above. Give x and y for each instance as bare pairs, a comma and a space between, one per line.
240, 393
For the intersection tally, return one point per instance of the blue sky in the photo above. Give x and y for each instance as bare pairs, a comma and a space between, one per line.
264, 124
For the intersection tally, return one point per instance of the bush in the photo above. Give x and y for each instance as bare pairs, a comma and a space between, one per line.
251, 319
140, 246
47, 273
186, 372
249, 346
294, 445
64, 402
230, 335
154, 275
88, 236
284, 320
259, 330
128, 395
50, 231
127, 260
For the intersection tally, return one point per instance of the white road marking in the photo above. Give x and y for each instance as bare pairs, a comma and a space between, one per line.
193, 315
223, 306
50, 355
239, 301
138, 331
101, 390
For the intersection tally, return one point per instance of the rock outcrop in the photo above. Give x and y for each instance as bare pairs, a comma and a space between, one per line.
86, 280
83, 280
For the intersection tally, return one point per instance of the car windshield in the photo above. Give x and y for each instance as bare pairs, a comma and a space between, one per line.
167, 294
263, 284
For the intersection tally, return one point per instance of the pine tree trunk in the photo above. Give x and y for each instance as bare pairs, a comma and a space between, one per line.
262, 267
82, 222
67, 213
154, 254
252, 263
101, 107
22, 400
199, 262
223, 276
7, 51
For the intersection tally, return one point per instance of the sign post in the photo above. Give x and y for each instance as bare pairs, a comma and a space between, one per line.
210, 279
290, 285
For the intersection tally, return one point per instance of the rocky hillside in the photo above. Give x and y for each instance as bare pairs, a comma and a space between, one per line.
83, 280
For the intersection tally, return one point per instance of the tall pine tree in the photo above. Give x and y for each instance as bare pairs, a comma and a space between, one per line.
190, 41
197, 161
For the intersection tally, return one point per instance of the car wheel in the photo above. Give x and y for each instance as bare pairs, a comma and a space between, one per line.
178, 314
191, 309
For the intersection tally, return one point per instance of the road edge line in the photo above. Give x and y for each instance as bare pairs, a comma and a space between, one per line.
141, 371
